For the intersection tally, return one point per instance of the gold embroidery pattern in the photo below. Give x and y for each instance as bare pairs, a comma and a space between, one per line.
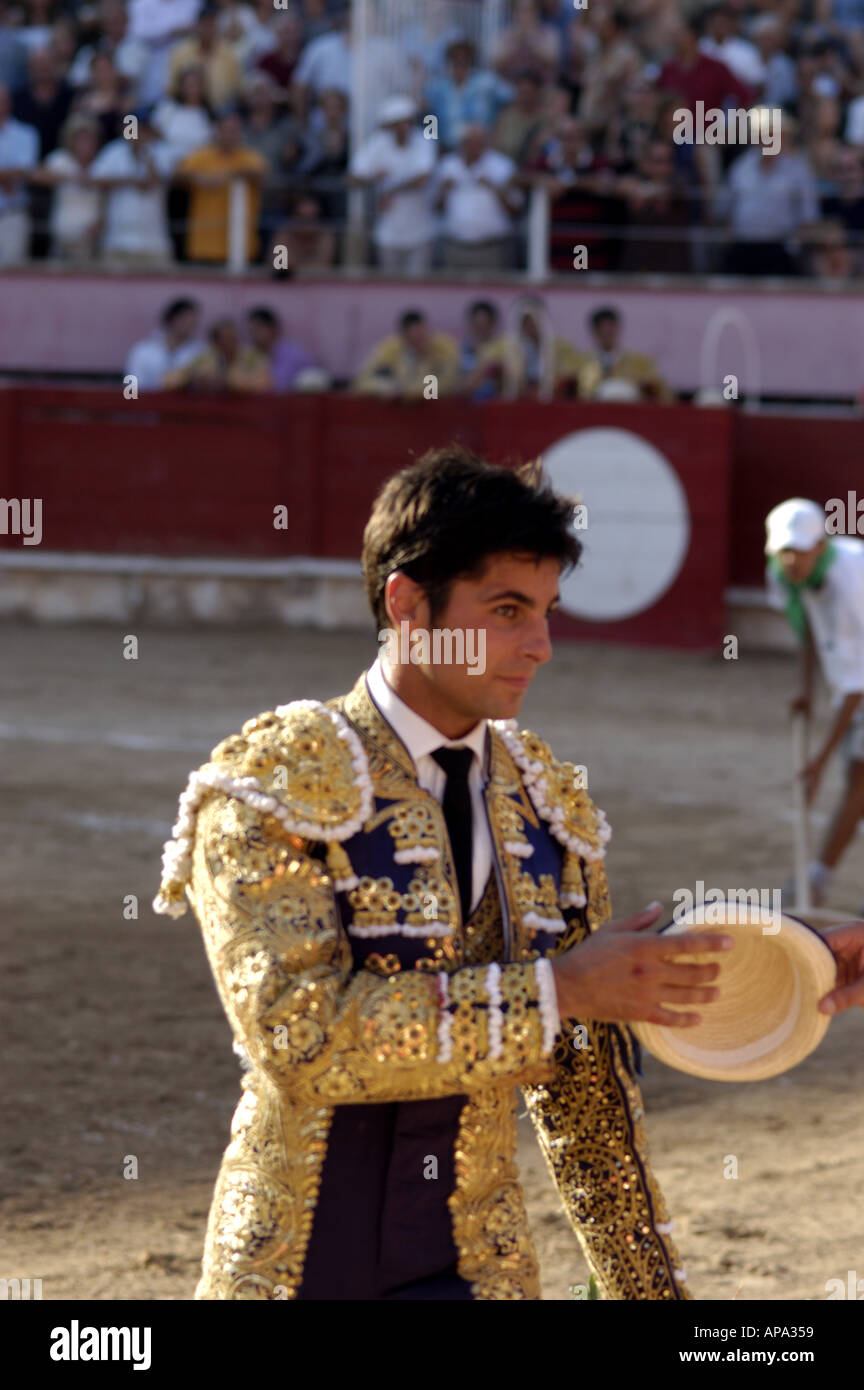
588, 1122
264, 1202
490, 1225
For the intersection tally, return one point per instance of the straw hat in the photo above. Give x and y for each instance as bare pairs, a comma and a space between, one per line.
766, 1018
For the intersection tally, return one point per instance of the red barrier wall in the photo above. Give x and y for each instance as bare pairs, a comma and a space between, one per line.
175, 476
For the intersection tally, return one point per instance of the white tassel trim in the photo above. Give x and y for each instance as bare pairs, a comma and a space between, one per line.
177, 853
664, 1228
445, 1025
533, 773
572, 900
492, 981
553, 924
547, 999
345, 885
401, 929
519, 848
680, 1275
417, 855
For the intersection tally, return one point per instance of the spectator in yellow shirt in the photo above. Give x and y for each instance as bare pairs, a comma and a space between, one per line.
213, 54
534, 361
608, 362
209, 172
227, 366
412, 364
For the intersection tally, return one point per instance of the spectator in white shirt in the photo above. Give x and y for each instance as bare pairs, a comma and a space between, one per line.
130, 56
477, 195
134, 172
183, 118
766, 199
721, 41
175, 345
398, 162
817, 576
19, 150
159, 24
76, 208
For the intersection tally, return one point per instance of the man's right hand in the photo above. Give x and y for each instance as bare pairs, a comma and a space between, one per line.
624, 974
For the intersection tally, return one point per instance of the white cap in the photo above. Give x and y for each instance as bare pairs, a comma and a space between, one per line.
794, 525
398, 108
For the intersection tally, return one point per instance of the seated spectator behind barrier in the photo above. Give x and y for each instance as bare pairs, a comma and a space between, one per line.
183, 118
287, 359
397, 161
467, 95
226, 367
209, 173
527, 41
475, 191
106, 97
722, 40
207, 50
585, 209
535, 361
401, 366
608, 363
827, 253
132, 173
480, 363
659, 213
19, 151
76, 208
323, 167
45, 100
847, 205
696, 76
303, 243
111, 37
766, 198
280, 61
520, 122
613, 66
174, 346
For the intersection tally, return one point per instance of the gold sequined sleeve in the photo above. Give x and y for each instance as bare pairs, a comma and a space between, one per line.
329, 1034
589, 1122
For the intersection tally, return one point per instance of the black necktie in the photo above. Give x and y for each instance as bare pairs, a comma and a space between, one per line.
456, 763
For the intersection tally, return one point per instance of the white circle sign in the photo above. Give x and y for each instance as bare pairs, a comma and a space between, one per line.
636, 521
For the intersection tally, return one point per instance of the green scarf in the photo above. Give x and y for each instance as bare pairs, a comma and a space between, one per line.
794, 603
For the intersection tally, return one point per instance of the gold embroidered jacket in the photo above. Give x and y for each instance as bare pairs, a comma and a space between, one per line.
321, 875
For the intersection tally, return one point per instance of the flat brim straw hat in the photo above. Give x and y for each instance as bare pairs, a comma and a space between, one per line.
766, 1018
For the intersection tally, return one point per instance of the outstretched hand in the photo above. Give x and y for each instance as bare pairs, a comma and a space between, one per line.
846, 943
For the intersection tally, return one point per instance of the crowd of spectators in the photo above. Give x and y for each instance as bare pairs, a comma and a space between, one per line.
124, 126
523, 358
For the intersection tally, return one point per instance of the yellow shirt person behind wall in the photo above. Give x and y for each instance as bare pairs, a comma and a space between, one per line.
208, 173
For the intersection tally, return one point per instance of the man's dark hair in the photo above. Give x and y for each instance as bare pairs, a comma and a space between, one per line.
443, 517
483, 306
409, 318
604, 314
261, 314
177, 307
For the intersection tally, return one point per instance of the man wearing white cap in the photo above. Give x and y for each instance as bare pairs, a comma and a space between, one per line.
398, 162
819, 580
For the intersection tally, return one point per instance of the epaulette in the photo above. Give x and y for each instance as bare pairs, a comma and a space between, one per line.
558, 796
302, 763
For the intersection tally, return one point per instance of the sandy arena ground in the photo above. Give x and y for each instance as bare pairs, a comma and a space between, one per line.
118, 1045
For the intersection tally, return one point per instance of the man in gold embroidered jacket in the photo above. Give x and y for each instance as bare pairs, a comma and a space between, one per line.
372, 1154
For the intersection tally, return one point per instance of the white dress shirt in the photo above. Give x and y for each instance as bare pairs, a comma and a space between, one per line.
421, 740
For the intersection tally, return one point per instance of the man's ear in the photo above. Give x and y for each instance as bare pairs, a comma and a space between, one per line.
403, 598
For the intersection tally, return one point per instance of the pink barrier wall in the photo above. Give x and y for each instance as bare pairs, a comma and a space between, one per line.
808, 342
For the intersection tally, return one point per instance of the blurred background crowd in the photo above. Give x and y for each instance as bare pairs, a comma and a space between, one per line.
126, 129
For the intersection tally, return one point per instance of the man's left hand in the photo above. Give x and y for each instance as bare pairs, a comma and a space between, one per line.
846, 944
